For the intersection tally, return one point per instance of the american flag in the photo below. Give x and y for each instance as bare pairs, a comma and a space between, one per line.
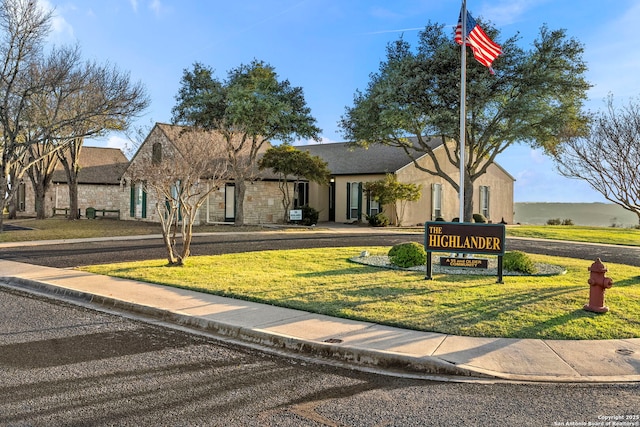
484, 49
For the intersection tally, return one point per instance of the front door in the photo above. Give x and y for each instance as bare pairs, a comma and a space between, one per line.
332, 201
230, 203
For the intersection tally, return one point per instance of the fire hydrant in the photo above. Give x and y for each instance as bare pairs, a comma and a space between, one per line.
599, 283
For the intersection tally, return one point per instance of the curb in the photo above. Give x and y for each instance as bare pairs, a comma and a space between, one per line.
364, 358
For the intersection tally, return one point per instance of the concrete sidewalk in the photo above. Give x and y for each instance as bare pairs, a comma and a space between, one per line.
359, 343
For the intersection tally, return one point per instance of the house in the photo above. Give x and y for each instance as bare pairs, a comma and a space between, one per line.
99, 184
106, 182
263, 199
345, 201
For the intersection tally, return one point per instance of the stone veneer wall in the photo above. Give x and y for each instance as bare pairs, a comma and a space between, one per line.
96, 196
262, 204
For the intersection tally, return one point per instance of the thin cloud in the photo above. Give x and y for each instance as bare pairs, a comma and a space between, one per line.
403, 30
612, 41
508, 12
302, 142
61, 30
156, 7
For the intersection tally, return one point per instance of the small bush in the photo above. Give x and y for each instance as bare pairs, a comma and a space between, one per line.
407, 255
309, 215
479, 218
378, 220
554, 221
518, 261
567, 222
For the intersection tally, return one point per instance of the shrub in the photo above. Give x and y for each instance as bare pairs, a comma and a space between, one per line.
518, 261
567, 222
479, 218
407, 255
440, 219
309, 215
378, 220
554, 221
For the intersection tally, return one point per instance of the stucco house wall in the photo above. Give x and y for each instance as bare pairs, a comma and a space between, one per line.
350, 164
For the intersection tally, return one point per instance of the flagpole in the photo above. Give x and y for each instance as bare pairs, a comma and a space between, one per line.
463, 100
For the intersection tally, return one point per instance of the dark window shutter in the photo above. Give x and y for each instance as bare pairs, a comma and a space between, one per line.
348, 200
132, 201
359, 201
144, 204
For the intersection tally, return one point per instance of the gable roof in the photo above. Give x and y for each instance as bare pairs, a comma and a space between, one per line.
98, 165
174, 135
345, 159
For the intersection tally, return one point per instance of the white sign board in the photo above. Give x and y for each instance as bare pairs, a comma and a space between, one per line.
295, 215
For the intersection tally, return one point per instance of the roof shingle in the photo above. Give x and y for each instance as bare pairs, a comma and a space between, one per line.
98, 165
345, 159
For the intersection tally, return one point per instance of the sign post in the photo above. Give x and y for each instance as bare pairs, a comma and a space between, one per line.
464, 238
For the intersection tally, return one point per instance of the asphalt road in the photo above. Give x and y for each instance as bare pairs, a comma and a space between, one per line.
66, 365
76, 254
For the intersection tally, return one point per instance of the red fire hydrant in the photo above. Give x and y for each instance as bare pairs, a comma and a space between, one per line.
599, 283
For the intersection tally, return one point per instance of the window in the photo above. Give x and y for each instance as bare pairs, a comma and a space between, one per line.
138, 201
373, 206
301, 195
356, 204
436, 201
354, 200
229, 202
484, 201
22, 191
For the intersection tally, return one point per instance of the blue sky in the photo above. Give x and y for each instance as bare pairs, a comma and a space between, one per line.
330, 47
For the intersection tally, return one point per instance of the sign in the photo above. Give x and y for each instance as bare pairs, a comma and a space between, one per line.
463, 238
464, 262
295, 215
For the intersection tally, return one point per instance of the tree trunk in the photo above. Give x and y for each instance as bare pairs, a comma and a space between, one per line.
40, 194
3, 200
71, 168
468, 199
73, 197
187, 235
241, 188
13, 208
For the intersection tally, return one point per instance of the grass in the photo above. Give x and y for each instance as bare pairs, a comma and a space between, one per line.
60, 228
324, 281
610, 235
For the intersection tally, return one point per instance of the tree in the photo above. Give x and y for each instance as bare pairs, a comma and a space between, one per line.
180, 177
24, 26
107, 100
608, 157
289, 162
390, 192
251, 107
535, 97
50, 102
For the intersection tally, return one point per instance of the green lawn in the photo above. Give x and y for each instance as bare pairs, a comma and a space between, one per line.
609, 235
324, 281
60, 228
